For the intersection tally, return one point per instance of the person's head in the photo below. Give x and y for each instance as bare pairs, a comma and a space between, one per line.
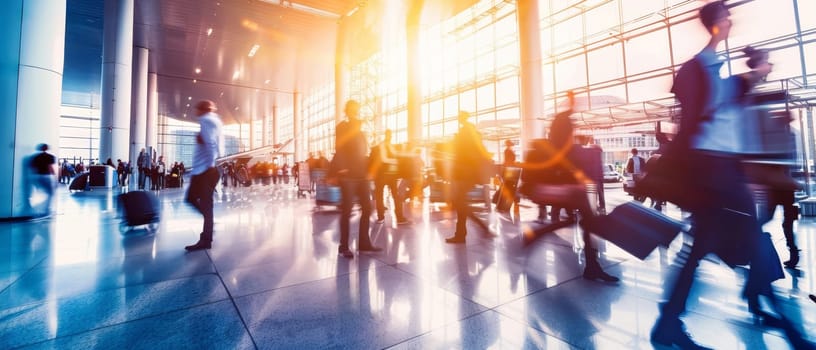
508, 143
571, 98
143, 150
352, 110
634, 151
204, 107
714, 16
42, 147
463, 117
387, 135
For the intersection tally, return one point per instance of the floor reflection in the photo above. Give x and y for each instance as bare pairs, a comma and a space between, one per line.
274, 280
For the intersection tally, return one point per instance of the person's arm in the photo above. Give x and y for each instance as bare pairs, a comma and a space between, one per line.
53, 167
387, 152
338, 165
757, 74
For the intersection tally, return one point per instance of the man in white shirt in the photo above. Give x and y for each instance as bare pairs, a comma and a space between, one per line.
209, 143
635, 167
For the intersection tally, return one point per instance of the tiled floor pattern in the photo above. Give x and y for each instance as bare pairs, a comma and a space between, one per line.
273, 280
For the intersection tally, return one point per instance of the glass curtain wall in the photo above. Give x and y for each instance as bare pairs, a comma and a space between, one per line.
469, 62
618, 55
79, 134
319, 119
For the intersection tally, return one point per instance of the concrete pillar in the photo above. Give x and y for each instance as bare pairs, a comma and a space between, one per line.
275, 124
532, 94
32, 49
297, 127
266, 120
138, 109
414, 74
340, 71
253, 98
117, 52
811, 146
152, 129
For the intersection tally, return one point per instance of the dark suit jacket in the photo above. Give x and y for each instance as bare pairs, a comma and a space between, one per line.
470, 156
351, 150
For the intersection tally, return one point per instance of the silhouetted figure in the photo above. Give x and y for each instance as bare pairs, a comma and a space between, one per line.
143, 166
547, 164
161, 170
121, 172
723, 210
350, 166
636, 167
209, 143
386, 174
509, 154
43, 168
470, 156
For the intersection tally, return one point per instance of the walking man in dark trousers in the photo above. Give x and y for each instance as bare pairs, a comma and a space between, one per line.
713, 179
350, 166
470, 156
204, 174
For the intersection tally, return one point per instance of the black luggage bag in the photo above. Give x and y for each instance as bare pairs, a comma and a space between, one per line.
172, 181
505, 196
637, 229
79, 182
140, 208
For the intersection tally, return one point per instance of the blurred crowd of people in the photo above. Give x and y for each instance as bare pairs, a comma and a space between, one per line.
152, 174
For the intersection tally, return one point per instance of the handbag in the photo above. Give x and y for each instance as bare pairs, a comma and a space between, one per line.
637, 229
668, 179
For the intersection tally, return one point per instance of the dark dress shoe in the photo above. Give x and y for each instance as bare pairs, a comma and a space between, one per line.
794, 259
672, 333
369, 248
346, 253
598, 274
455, 239
198, 246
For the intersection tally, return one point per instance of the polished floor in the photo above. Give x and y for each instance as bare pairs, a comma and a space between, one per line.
273, 280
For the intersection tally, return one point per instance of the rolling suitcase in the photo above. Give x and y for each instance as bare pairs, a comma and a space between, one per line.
139, 208
505, 196
79, 183
173, 181
327, 195
637, 229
